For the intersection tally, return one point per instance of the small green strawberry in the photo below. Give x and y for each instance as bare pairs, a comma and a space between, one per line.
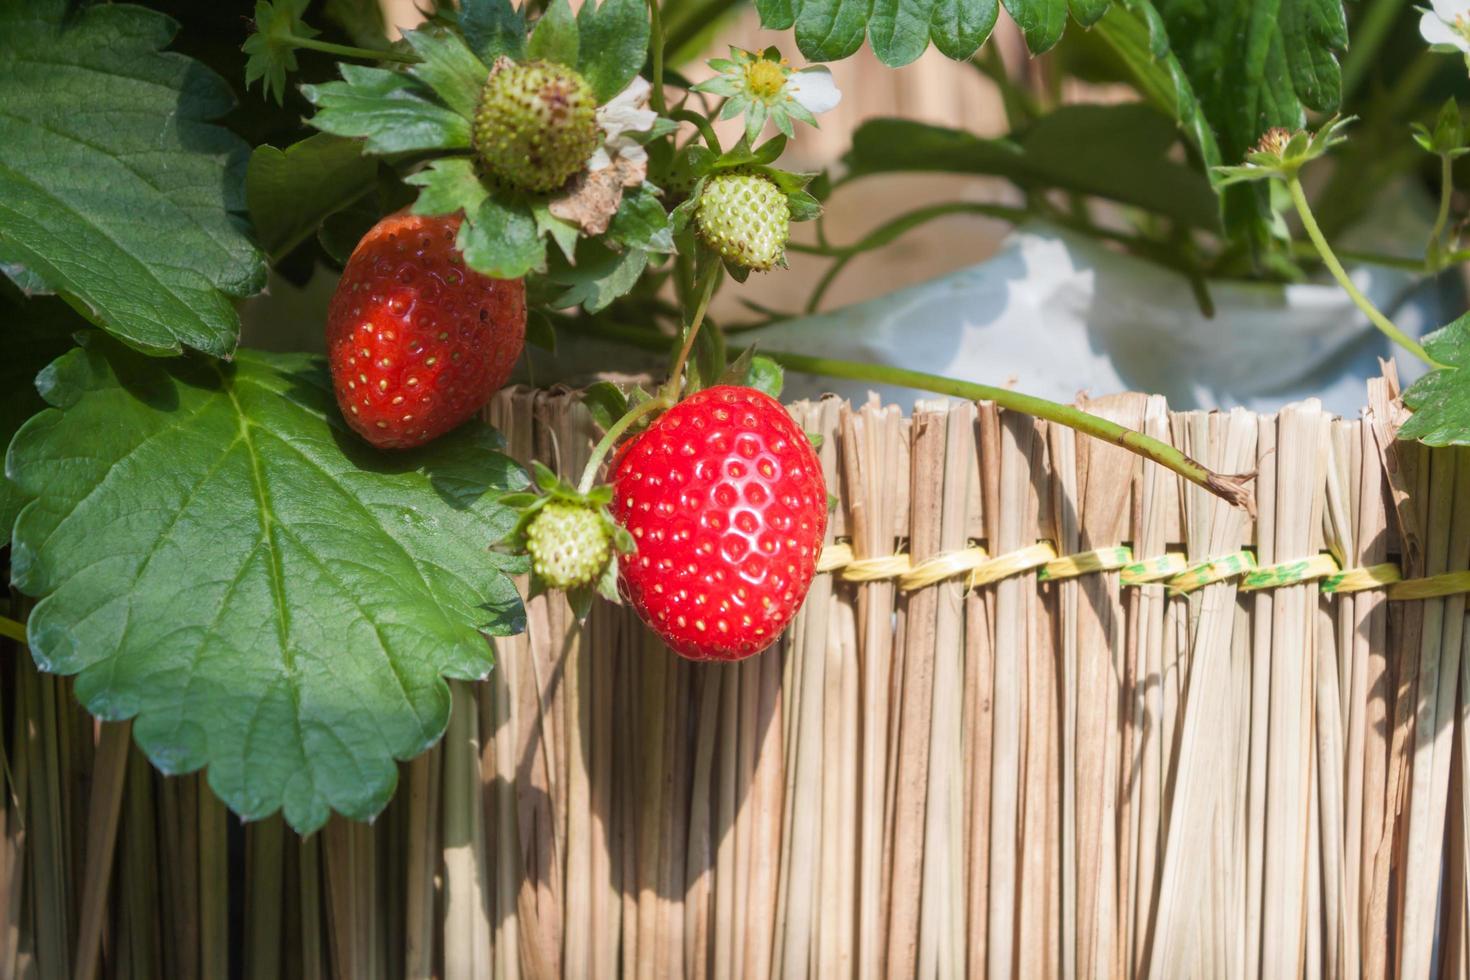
536, 125
570, 538
746, 218
569, 544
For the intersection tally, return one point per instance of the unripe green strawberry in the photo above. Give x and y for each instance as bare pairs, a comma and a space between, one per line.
568, 544
745, 217
536, 125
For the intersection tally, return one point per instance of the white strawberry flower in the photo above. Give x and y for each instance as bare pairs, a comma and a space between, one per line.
763, 86
1446, 26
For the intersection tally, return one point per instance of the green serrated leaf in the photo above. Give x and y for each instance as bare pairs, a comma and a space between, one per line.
959, 27
1441, 399
292, 191
36, 332
99, 129
394, 112
564, 233
1041, 21
1088, 12
499, 239
613, 46
449, 68
218, 557
599, 277
606, 403
555, 37
271, 48
642, 222
448, 185
494, 28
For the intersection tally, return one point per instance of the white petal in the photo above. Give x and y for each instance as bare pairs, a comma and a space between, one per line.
814, 89
1436, 31
632, 152
1448, 10
600, 160
627, 112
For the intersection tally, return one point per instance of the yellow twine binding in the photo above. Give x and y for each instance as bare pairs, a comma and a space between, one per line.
1290, 573
1210, 571
1100, 560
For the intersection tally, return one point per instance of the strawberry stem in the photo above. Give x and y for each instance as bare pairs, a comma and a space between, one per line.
704, 289
610, 439
346, 51
10, 628
656, 55
1319, 241
1230, 488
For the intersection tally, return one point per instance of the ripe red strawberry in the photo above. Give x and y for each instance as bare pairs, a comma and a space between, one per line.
418, 342
725, 500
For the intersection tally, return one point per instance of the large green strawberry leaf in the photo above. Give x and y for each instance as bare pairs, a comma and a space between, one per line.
116, 189
35, 332
1441, 399
217, 556
900, 30
1252, 66
613, 44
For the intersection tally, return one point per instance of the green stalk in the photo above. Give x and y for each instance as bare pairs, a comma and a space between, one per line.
610, 439
345, 51
656, 50
1329, 259
705, 288
1435, 250
10, 629
1232, 488
705, 129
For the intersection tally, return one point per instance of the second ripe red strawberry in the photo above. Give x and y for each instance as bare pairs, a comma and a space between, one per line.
417, 341
727, 506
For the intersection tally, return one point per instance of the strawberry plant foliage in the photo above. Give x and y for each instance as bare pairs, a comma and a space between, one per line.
227, 564
1441, 399
100, 126
36, 332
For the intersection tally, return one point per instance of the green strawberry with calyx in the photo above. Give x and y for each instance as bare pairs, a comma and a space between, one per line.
746, 218
570, 537
536, 125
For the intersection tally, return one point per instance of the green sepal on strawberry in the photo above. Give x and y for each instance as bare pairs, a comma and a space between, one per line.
571, 538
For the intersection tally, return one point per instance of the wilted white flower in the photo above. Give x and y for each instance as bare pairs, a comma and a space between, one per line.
1446, 26
763, 86
625, 114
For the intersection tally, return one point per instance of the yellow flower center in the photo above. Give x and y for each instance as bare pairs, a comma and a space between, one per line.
1461, 26
765, 79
